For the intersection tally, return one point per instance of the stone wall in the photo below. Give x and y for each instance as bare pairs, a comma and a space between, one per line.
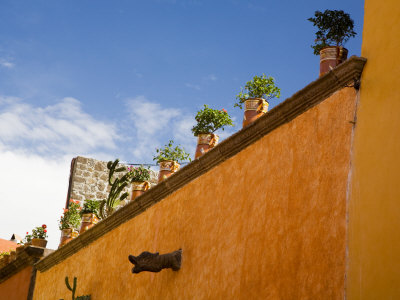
89, 179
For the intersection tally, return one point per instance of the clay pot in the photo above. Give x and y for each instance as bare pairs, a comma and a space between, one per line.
66, 236
13, 256
138, 188
39, 243
330, 57
88, 221
205, 142
253, 109
167, 168
19, 249
6, 259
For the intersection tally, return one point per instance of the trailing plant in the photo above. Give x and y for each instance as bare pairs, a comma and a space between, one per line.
27, 239
108, 206
71, 217
39, 232
169, 152
90, 207
139, 174
73, 290
210, 120
335, 27
260, 87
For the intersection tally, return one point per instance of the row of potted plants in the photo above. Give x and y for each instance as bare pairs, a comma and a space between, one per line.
37, 238
334, 29
76, 219
7, 256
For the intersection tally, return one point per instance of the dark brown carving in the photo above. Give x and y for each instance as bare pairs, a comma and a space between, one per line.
153, 262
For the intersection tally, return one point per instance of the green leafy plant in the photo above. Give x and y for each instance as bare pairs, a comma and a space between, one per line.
39, 232
139, 174
210, 120
71, 217
260, 87
108, 206
90, 207
335, 27
169, 152
73, 290
27, 239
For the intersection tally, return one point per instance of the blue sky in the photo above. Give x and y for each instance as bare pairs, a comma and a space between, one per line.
109, 79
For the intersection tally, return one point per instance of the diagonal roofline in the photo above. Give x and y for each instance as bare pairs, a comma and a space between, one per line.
308, 97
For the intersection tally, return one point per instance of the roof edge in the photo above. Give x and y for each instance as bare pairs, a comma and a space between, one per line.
311, 95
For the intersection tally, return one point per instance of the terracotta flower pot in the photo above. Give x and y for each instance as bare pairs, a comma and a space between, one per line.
88, 221
138, 188
167, 168
205, 142
330, 57
67, 235
6, 259
39, 243
20, 249
13, 255
253, 109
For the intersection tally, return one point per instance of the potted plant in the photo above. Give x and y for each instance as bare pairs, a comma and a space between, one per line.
6, 257
69, 222
117, 193
139, 177
89, 214
255, 96
2, 261
168, 158
13, 255
335, 27
208, 121
39, 235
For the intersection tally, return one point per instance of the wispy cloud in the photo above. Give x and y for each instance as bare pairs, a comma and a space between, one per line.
211, 77
193, 86
154, 125
6, 64
52, 130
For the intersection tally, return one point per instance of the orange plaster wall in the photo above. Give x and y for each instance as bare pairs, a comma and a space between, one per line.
374, 222
268, 223
17, 286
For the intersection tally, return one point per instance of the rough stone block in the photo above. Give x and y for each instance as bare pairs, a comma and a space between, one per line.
79, 179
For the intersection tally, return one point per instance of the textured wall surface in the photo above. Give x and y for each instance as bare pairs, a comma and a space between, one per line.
374, 222
268, 223
16, 287
90, 179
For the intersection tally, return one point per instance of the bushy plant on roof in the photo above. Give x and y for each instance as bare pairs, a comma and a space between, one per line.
260, 87
335, 27
210, 120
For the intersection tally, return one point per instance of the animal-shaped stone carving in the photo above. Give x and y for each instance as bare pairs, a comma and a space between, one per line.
154, 262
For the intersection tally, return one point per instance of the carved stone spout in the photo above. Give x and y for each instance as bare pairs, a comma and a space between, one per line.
154, 262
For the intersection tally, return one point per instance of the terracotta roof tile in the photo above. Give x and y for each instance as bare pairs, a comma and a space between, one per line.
6, 245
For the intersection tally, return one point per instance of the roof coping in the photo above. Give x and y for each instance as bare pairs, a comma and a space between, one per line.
311, 95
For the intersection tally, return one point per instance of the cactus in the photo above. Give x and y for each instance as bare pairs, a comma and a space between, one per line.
107, 206
73, 290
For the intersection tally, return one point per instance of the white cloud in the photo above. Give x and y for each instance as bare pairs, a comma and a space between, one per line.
211, 77
33, 193
6, 64
155, 125
193, 86
52, 130
36, 148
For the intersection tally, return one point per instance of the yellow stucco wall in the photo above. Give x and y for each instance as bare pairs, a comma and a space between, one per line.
268, 223
17, 286
374, 221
